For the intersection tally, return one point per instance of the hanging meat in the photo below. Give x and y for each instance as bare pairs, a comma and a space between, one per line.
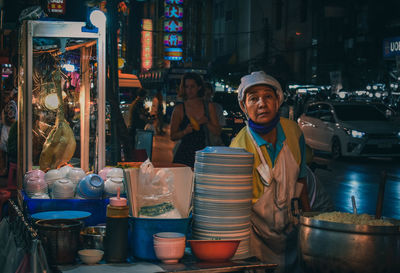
60, 144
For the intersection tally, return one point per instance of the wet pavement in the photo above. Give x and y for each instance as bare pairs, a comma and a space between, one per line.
361, 177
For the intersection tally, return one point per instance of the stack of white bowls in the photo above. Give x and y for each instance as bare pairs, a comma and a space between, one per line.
35, 185
222, 196
63, 189
52, 176
115, 180
76, 175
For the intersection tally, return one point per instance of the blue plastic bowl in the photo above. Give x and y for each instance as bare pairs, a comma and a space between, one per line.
141, 231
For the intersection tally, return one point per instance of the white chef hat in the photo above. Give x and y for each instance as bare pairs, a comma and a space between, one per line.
256, 78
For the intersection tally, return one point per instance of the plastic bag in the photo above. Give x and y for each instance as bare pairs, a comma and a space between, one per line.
156, 192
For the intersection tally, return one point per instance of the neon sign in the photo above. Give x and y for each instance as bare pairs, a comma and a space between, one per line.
147, 44
173, 26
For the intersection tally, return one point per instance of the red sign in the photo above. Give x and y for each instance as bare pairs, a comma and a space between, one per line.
56, 6
147, 44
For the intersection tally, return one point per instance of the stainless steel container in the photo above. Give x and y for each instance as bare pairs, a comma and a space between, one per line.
93, 237
345, 248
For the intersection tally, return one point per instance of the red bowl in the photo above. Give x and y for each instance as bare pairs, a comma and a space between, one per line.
214, 250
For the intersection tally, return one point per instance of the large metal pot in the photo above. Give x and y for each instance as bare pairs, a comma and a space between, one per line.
345, 248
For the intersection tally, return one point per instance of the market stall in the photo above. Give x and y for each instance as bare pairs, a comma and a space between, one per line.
61, 99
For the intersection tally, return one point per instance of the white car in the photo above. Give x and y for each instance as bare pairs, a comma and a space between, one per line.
349, 129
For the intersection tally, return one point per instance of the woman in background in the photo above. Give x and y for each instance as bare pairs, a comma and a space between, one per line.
189, 119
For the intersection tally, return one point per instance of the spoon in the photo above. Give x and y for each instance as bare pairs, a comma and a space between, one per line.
353, 202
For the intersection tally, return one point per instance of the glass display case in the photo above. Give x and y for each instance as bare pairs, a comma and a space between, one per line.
61, 96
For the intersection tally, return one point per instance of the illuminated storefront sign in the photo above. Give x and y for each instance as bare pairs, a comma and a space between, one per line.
391, 47
175, 12
147, 44
173, 26
56, 6
173, 53
173, 40
174, 2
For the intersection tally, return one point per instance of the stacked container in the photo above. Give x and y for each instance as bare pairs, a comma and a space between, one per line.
223, 194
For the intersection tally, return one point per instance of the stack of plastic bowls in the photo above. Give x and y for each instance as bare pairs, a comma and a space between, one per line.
34, 184
90, 187
63, 189
115, 179
50, 177
76, 175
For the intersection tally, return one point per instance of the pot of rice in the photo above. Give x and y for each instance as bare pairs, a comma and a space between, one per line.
337, 242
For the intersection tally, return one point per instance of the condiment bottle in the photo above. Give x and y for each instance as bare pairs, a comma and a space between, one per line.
116, 240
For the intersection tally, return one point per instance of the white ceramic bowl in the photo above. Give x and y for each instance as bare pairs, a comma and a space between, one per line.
103, 173
115, 172
65, 170
90, 256
51, 176
63, 188
111, 186
75, 175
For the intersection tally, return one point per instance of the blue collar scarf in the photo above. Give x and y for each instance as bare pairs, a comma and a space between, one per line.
264, 129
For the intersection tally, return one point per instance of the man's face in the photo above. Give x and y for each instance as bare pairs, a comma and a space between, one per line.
261, 103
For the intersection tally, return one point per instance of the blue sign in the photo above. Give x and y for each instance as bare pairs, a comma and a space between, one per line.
391, 47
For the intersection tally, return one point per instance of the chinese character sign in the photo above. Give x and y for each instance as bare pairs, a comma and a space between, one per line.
174, 2
173, 26
147, 44
173, 40
173, 12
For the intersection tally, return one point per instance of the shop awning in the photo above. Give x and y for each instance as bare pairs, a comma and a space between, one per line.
128, 80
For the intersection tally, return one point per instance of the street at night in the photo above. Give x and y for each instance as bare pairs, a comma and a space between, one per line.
200, 136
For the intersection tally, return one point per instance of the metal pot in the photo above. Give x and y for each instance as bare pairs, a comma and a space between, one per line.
60, 238
345, 248
93, 237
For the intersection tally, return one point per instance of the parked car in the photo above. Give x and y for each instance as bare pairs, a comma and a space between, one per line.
349, 129
234, 117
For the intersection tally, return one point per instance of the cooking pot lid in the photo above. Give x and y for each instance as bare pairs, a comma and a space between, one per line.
61, 214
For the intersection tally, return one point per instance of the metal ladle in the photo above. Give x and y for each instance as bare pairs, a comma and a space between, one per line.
353, 202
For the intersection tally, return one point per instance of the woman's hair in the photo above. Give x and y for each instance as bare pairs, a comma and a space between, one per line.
191, 76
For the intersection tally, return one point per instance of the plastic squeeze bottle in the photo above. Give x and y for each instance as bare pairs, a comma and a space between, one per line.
116, 241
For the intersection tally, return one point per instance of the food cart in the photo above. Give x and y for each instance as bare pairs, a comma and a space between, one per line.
61, 61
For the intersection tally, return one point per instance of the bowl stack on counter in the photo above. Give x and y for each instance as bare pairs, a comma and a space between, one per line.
222, 196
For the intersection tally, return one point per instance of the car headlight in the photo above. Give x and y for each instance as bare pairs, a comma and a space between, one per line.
354, 133
398, 134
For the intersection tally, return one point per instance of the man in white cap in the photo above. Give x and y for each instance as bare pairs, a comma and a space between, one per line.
279, 170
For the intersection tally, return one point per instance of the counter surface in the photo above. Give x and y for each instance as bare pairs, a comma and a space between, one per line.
187, 265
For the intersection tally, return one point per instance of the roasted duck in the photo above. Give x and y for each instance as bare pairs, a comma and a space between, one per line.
60, 144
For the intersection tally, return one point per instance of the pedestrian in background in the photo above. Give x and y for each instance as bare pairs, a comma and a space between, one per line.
157, 113
8, 117
138, 115
189, 119
214, 140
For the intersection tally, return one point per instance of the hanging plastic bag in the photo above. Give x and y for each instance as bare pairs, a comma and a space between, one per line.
156, 192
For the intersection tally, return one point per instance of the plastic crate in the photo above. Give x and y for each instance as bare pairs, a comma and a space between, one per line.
96, 207
141, 232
